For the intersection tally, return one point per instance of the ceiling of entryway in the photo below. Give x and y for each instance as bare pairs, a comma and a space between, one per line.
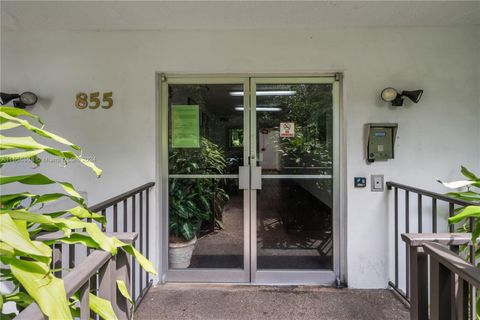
165, 15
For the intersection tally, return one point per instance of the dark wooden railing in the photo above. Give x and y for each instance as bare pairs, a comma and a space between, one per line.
98, 265
451, 281
421, 196
130, 212
425, 233
127, 213
461, 306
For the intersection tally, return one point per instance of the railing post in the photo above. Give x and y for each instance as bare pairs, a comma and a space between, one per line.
461, 303
57, 260
440, 291
420, 213
396, 235
84, 301
407, 255
418, 283
122, 306
107, 284
472, 258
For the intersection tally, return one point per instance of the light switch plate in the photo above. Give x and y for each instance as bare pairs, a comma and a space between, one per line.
376, 183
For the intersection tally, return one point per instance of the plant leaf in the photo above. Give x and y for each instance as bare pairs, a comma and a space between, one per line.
15, 112
75, 238
467, 212
39, 131
467, 195
101, 307
18, 238
20, 298
457, 184
468, 174
47, 290
4, 158
122, 287
39, 179
6, 125
128, 248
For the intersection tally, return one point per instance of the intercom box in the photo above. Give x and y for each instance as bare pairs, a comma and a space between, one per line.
380, 141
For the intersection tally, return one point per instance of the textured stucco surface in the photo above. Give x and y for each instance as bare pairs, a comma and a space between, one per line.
183, 301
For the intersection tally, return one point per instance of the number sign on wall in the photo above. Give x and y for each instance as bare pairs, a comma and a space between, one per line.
92, 101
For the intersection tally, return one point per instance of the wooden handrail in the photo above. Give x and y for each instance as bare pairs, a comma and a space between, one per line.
431, 194
110, 268
441, 284
453, 262
451, 239
110, 202
127, 237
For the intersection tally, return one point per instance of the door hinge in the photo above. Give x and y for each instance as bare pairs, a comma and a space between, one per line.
163, 77
338, 76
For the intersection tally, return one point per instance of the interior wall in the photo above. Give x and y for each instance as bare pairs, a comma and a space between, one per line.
434, 137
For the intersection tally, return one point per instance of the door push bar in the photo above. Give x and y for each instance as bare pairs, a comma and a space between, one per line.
249, 178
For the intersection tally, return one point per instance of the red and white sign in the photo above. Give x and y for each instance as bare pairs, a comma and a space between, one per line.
287, 129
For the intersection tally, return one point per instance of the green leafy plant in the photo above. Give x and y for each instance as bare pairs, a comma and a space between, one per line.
471, 194
300, 152
28, 260
193, 201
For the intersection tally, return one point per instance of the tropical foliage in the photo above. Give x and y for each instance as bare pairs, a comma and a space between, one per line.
26, 261
193, 201
472, 194
310, 109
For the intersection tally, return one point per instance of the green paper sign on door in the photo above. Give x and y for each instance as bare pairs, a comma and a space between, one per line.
185, 126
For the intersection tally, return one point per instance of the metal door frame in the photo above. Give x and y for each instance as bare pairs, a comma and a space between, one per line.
296, 276
249, 274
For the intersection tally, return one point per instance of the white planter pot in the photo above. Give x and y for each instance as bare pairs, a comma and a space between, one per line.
180, 254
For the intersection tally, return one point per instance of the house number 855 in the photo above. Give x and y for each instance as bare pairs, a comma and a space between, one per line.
92, 101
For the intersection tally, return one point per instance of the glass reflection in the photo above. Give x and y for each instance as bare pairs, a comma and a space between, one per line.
206, 213
294, 211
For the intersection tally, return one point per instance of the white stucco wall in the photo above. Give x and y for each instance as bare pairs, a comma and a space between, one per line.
435, 136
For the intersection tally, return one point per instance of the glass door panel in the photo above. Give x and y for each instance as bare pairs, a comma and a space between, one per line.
251, 179
206, 206
294, 140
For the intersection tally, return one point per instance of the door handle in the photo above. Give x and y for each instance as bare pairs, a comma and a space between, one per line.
243, 178
256, 178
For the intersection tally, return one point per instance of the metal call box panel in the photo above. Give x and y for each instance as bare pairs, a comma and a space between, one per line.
380, 141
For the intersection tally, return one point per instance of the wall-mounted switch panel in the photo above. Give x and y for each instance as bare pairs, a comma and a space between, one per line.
360, 182
376, 182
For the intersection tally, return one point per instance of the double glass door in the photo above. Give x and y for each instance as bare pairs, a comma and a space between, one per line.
252, 179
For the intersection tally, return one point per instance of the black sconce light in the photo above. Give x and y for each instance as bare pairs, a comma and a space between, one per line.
24, 99
391, 95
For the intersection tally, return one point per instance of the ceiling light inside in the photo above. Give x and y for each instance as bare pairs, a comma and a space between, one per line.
266, 93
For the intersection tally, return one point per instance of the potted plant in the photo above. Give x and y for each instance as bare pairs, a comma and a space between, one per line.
193, 201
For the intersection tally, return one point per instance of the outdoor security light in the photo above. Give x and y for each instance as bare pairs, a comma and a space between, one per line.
391, 95
24, 99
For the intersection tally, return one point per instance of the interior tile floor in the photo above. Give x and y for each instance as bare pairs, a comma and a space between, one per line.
293, 229
239, 302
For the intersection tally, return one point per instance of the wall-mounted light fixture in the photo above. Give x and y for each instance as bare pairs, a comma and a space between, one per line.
24, 99
391, 95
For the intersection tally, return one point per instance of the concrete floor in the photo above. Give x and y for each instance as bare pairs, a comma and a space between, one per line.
215, 302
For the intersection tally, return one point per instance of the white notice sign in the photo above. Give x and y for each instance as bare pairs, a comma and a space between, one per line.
287, 129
